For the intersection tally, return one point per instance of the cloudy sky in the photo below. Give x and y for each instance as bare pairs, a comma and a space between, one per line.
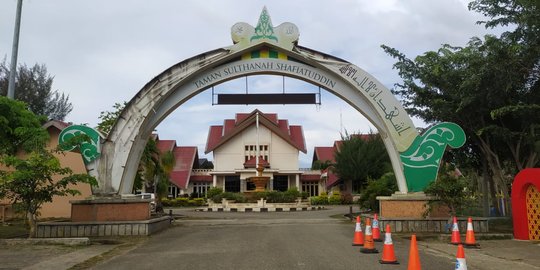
101, 51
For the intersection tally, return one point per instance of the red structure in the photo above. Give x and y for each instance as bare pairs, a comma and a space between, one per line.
526, 204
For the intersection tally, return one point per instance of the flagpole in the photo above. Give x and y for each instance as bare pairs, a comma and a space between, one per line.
14, 52
257, 150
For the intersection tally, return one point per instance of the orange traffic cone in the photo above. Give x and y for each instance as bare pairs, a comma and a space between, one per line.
470, 241
456, 239
414, 259
388, 255
358, 239
369, 245
461, 264
376, 230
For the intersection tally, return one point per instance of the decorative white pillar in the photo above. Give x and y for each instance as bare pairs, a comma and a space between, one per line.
214, 180
298, 182
243, 185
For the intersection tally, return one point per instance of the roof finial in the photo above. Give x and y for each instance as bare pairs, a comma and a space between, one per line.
244, 35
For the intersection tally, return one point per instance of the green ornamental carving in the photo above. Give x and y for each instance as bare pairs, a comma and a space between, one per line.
264, 29
422, 160
89, 150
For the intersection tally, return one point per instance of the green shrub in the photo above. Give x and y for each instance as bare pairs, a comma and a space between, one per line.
239, 198
384, 186
178, 202
293, 192
274, 197
319, 200
334, 199
260, 195
213, 192
450, 191
197, 202
166, 202
304, 195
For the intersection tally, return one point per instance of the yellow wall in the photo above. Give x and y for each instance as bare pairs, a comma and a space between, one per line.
60, 206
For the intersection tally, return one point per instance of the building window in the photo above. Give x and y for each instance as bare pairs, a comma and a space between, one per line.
312, 188
281, 182
200, 189
173, 191
250, 151
232, 183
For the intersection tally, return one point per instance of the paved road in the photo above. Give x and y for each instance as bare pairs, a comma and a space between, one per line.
303, 240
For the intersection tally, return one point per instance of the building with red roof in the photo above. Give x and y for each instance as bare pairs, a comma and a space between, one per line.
326, 154
234, 148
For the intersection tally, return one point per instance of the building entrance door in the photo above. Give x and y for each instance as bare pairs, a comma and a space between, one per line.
232, 183
281, 182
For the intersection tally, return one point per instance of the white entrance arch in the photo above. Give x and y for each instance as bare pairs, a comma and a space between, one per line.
263, 49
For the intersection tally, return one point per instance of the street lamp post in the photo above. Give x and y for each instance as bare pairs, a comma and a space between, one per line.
14, 51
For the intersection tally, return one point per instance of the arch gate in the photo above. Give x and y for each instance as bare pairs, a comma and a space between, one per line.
265, 49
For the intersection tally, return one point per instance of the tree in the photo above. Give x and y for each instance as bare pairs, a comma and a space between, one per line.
20, 129
33, 85
108, 118
29, 182
449, 189
384, 186
361, 157
483, 87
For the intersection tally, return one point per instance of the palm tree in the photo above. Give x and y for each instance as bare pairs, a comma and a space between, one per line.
167, 163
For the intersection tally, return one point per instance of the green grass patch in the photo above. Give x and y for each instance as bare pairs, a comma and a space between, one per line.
13, 229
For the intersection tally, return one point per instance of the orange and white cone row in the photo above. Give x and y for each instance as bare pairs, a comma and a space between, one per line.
470, 241
376, 229
388, 254
456, 238
358, 239
461, 264
369, 245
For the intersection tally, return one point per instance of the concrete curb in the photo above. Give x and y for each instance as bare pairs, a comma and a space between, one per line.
79, 241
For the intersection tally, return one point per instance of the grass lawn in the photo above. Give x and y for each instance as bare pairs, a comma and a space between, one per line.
13, 228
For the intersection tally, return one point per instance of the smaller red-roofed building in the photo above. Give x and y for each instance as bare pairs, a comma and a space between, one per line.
326, 154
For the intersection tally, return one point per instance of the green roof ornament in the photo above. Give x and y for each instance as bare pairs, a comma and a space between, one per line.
245, 35
264, 27
422, 160
90, 150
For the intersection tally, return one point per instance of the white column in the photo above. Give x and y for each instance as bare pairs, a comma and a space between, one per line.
214, 180
243, 185
298, 182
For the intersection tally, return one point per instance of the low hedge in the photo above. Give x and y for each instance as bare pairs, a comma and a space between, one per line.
182, 202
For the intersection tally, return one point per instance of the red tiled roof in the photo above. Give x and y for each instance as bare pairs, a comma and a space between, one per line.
284, 125
251, 163
165, 145
324, 153
185, 157
60, 125
331, 180
218, 135
179, 178
228, 126
214, 136
200, 178
297, 136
